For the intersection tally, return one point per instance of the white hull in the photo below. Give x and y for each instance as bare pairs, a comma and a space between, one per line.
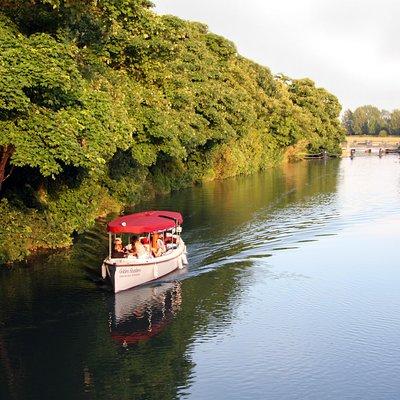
126, 273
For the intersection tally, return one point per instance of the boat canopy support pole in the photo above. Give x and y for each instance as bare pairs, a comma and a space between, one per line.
109, 245
149, 243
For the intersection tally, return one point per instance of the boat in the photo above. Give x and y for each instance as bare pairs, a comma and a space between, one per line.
126, 272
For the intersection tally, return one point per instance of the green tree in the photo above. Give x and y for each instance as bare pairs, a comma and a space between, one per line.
348, 122
321, 109
367, 120
394, 124
50, 115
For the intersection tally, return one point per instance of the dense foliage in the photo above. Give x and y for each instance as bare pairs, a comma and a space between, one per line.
369, 120
103, 102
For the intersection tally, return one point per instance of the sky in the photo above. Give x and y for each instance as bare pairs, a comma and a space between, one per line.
351, 47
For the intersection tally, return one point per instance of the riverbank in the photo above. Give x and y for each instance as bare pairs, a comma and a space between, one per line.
368, 143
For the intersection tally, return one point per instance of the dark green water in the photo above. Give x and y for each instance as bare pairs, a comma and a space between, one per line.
292, 292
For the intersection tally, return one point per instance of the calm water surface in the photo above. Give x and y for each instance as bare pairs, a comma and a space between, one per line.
292, 293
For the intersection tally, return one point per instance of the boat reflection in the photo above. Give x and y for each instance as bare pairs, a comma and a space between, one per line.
142, 313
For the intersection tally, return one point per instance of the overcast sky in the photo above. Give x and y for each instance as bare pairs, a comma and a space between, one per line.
349, 47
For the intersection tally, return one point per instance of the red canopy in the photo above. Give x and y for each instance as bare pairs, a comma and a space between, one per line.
148, 221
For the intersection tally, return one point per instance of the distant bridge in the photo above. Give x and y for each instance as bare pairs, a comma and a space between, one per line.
370, 144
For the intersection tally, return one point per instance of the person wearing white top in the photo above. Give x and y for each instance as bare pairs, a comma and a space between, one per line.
136, 248
157, 245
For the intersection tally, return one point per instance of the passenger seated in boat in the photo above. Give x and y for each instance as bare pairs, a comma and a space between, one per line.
161, 243
136, 248
157, 245
146, 244
118, 250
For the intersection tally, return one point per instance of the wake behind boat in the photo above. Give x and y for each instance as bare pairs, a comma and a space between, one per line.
154, 248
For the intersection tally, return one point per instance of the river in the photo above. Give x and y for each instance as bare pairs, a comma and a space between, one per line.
292, 292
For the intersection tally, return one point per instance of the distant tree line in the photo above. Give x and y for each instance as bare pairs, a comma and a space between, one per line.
369, 120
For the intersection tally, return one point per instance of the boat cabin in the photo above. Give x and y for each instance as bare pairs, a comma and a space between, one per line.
151, 228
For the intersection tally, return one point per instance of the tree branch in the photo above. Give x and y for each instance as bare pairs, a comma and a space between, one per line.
5, 155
